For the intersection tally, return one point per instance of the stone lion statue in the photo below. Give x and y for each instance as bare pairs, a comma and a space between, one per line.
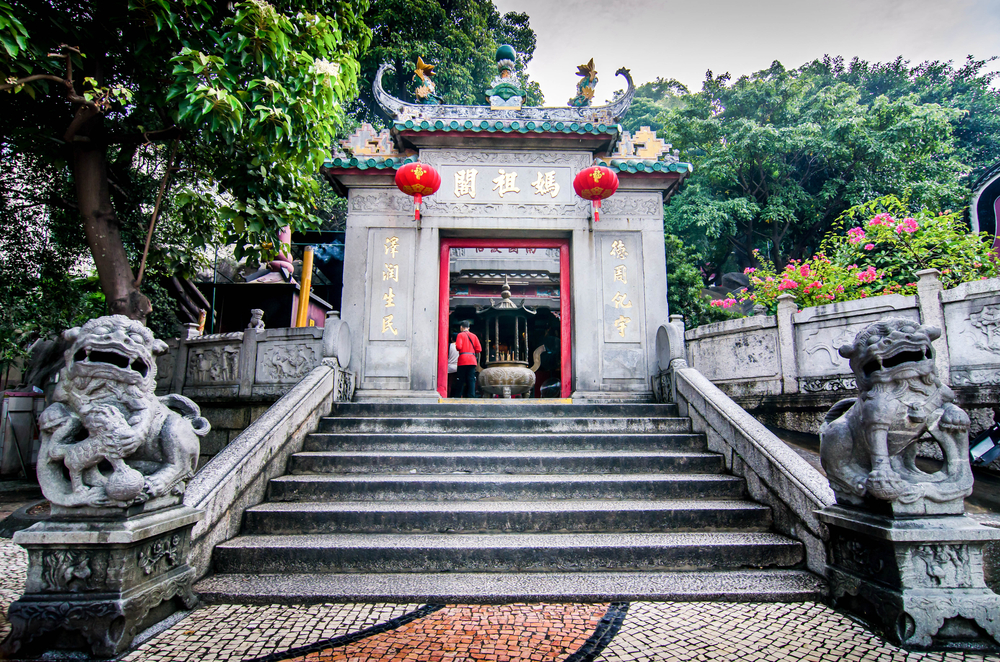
868, 444
107, 440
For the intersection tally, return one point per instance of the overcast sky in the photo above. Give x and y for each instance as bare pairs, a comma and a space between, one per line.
681, 40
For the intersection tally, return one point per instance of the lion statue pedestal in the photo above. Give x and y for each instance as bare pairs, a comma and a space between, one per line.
113, 462
902, 553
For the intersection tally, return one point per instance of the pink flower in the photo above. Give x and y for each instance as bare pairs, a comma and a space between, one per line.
907, 225
868, 275
815, 285
840, 288
880, 219
869, 247
749, 270
770, 279
804, 270
723, 303
787, 284
855, 236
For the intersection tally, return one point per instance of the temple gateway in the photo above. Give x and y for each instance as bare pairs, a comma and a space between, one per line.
594, 286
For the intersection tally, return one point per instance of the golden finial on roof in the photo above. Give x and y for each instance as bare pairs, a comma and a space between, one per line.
423, 70
587, 70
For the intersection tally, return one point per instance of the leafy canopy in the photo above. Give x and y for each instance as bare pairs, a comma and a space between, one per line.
250, 96
781, 154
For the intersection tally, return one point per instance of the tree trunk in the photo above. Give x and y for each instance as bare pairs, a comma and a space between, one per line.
100, 224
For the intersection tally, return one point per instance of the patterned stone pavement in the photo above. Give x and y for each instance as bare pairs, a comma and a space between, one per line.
620, 632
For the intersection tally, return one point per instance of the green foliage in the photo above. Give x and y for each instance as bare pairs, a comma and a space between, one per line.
779, 155
685, 283
252, 93
459, 37
886, 243
650, 103
898, 241
266, 91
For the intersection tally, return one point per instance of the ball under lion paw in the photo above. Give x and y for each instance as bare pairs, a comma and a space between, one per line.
124, 484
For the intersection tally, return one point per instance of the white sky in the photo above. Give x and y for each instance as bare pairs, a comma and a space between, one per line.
681, 40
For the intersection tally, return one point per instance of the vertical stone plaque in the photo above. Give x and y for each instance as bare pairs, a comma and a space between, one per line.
391, 279
621, 285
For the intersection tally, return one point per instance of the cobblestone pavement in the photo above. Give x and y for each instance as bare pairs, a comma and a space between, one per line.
650, 631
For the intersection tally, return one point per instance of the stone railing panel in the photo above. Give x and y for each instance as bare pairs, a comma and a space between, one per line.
820, 331
237, 477
775, 474
972, 320
747, 348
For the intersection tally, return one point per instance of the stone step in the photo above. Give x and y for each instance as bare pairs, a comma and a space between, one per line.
478, 408
504, 442
771, 585
509, 462
506, 517
511, 425
525, 487
501, 552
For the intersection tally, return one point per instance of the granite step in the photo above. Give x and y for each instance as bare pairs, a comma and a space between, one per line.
505, 462
593, 516
508, 425
501, 552
524, 487
504, 442
500, 409
771, 585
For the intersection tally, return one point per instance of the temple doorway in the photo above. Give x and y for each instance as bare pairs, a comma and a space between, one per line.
473, 271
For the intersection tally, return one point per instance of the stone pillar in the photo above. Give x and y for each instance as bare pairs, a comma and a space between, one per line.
932, 314
786, 344
248, 360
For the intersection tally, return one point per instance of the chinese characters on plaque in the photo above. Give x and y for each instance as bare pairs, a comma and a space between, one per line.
505, 184
391, 283
619, 264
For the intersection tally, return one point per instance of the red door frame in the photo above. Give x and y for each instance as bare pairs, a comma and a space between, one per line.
565, 329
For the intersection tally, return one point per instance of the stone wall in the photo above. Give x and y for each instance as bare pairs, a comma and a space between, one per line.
786, 370
236, 377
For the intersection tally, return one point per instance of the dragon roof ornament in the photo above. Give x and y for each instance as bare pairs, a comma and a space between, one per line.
402, 111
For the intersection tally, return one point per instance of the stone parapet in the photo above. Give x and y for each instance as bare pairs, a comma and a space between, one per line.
774, 473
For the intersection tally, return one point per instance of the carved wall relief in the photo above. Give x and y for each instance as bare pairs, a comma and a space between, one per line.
74, 571
942, 565
987, 322
213, 364
286, 362
632, 205
168, 547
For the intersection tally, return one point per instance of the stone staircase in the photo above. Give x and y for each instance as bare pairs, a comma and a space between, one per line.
496, 502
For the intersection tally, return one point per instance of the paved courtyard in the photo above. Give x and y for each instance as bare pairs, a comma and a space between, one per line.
616, 632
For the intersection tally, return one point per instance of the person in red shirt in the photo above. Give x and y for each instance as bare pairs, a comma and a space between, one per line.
468, 348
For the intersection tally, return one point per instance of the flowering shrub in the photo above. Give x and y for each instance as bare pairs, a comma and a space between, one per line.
812, 282
723, 303
899, 243
880, 253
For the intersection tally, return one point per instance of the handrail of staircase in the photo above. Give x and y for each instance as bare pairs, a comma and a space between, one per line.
774, 473
237, 477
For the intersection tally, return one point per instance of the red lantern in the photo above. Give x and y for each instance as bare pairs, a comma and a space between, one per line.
596, 183
418, 180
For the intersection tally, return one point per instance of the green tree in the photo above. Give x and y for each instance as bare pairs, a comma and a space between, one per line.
652, 100
781, 154
459, 37
969, 88
234, 107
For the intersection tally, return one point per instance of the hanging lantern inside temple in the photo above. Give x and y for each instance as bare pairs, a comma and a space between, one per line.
596, 183
418, 180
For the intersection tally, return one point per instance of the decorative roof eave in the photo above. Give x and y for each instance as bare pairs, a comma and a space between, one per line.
401, 111
371, 162
648, 167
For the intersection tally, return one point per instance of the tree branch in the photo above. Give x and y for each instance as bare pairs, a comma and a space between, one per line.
156, 211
